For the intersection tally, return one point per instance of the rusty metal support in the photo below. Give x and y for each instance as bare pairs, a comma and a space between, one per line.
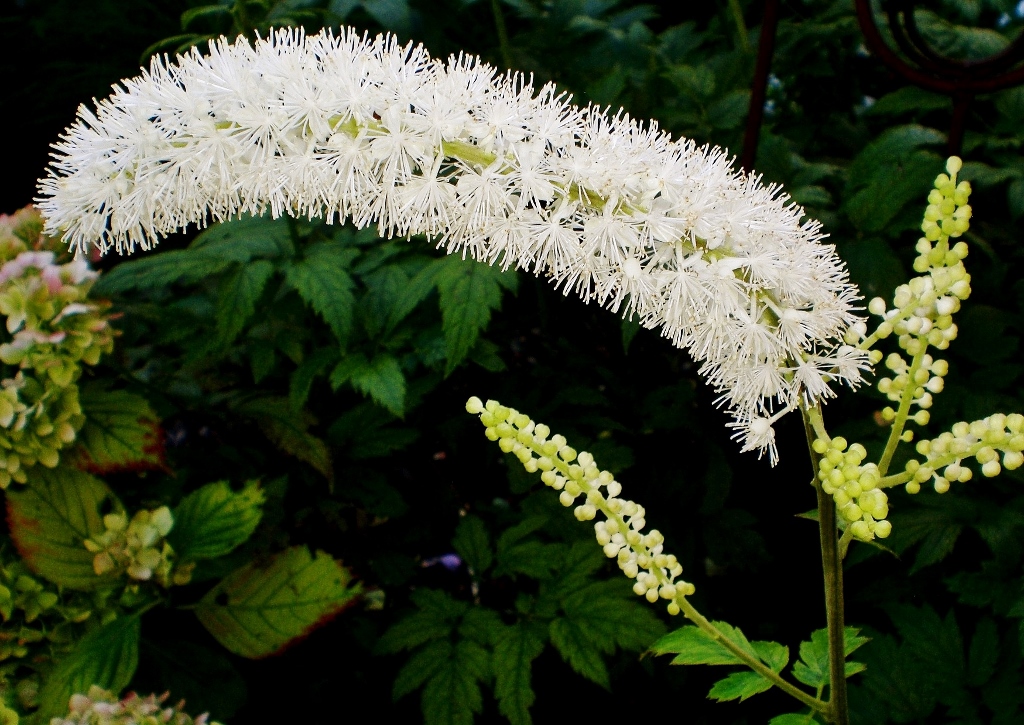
961, 80
759, 87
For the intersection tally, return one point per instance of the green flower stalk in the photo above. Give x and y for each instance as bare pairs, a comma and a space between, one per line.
639, 555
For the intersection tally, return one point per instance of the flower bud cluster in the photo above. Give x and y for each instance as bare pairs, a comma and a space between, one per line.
922, 312
54, 330
100, 707
948, 215
621, 533
854, 485
138, 548
923, 379
984, 440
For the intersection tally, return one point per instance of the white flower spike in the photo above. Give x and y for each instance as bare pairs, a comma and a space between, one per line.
347, 126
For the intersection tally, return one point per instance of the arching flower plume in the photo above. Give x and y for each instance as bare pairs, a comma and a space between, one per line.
343, 126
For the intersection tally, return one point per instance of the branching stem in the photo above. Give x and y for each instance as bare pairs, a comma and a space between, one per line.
901, 415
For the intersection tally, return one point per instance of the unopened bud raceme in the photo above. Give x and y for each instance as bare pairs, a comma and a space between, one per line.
639, 554
342, 126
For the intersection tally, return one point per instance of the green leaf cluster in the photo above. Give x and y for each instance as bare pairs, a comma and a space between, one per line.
458, 647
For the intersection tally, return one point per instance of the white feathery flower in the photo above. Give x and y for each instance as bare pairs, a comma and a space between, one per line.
348, 126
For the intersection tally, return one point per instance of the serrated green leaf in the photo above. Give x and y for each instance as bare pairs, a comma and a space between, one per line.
384, 287
609, 613
51, 518
106, 657
579, 650
415, 291
236, 300
421, 667
304, 375
452, 696
321, 278
984, 652
245, 239
469, 291
121, 433
439, 602
773, 654
792, 719
853, 668
437, 616
932, 639
258, 609
532, 558
473, 544
813, 667
159, 270
513, 657
481, 625
381, 378
692, 646
520, 531
739, 685
413, 630
891, 188
213, 520
288, 429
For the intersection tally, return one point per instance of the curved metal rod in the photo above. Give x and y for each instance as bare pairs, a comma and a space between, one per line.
904, 31
917, 76
758, 89
1007, 57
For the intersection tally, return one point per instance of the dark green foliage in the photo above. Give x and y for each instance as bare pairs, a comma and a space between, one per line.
333, 367
583, 619
107, 657
214, 520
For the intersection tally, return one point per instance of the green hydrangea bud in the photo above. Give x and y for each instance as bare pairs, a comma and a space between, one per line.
54, 329
138, 548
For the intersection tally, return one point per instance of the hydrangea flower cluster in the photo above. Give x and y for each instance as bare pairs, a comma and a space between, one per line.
138, 547
100, 707
639, 555
345, 126
54, 330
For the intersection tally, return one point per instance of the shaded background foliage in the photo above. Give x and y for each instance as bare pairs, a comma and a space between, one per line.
379, 465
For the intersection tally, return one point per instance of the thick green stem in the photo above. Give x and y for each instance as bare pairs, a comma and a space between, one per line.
832, 567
